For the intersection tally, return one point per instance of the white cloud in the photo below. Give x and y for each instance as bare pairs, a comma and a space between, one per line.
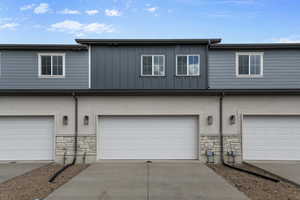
42, 8
79, 29
291, 39
27, 7
112, 12
11, 26
70, 12
91, 12
152, 9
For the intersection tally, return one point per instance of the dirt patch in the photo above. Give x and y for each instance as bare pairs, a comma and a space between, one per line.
257, 188
35, 185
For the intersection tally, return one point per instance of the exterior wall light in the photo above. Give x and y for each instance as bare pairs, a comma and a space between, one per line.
210, 120
65, 120
86, 120
232, 119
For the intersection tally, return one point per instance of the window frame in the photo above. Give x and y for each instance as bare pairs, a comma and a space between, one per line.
249, 75
51, 54
152, 56
187, 62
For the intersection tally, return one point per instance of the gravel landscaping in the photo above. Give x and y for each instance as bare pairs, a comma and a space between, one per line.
34, 184
257, 188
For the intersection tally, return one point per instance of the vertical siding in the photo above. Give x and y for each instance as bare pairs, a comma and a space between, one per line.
120, 68
19, 70
281, 70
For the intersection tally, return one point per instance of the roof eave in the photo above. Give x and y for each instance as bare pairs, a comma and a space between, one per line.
255, 46
112, 42
42, 47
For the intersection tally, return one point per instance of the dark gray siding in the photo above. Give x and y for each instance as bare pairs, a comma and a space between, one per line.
120, 68
19, 70
281, 70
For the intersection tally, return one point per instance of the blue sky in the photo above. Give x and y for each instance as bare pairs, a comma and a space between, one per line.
235, 21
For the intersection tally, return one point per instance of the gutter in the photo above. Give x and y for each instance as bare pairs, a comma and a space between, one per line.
51, 180
222, 147
133, 92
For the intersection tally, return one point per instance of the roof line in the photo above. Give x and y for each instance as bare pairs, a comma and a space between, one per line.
147, 41
256, 46
42, 47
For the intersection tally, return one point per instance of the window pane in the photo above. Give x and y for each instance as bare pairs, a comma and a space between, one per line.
156, 58
161, 60
161, 70
57, 65
193, 65
156, 70
147, 65
243, 64
158, 65
182, 65
46, 65
255, 61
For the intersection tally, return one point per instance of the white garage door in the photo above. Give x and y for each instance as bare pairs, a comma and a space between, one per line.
147, 137
26, 138
271, 138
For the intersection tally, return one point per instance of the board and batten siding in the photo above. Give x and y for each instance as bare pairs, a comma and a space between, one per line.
281, 69
19, 70
120, 67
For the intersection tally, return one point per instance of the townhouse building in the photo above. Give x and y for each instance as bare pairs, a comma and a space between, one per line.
149, 99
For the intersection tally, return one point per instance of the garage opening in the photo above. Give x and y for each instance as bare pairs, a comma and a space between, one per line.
148, 137
26, 138
271, 138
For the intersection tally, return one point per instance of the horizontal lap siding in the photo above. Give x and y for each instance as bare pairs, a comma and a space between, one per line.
19, 70
281, 70
120, 68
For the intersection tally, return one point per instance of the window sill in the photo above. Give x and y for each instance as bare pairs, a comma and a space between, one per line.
51, 77
187, 75
150, 76
249, 76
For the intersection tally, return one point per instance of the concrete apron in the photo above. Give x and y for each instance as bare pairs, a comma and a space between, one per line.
153, 181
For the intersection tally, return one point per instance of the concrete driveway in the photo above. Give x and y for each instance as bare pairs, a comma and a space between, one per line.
155, 181
8, 171
287, 170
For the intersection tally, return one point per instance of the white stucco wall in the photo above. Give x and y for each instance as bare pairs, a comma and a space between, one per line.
41, 106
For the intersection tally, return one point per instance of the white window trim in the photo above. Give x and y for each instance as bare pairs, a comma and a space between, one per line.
152, 55
261, 54
187, 62
52, 54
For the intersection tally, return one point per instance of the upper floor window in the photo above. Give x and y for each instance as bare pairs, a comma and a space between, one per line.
51, 65
249, 64
153, 65
188, 65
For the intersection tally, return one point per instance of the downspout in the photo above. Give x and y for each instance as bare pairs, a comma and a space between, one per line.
51, 180
222, 147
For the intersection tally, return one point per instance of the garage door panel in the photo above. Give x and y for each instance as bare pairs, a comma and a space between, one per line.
26, 138
271, 138
148, 137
